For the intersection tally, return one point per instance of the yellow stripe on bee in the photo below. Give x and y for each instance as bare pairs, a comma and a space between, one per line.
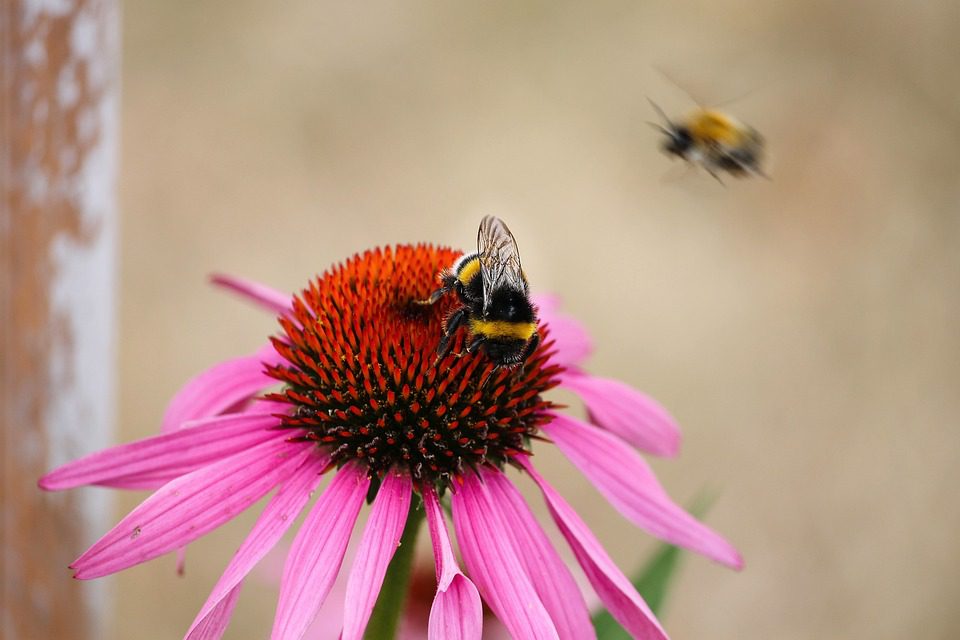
503, 329
469, 270
712, 126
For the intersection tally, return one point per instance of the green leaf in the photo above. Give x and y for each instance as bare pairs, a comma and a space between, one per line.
652, 581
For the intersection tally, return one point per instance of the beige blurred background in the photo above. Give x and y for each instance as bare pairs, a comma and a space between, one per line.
802, 330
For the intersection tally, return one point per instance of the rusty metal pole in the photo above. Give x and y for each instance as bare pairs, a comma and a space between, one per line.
59, 89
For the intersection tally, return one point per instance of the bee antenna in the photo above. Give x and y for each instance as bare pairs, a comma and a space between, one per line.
744, 95
660, 128
669, 78
663, 115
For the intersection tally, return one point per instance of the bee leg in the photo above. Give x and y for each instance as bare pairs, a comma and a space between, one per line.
714, 174
475, 344
443, 347
450, 283
454, 320
489, 376
436, 295
528, 350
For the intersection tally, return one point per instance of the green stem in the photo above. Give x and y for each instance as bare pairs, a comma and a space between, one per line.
393, 594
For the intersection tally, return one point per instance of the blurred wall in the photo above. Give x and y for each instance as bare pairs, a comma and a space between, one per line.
802, 330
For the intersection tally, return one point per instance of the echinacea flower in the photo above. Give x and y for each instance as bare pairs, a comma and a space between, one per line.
365, 402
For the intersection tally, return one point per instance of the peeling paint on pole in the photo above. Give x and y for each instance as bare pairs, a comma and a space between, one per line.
59, 67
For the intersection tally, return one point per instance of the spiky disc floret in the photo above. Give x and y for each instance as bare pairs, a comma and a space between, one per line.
363, 379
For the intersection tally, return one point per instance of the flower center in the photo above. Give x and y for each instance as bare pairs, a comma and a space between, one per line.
364, 381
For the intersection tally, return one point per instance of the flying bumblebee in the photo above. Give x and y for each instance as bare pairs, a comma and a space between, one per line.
493, 290
717, 142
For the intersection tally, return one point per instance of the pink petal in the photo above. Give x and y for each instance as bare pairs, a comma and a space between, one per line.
153, 481
259, 294
377, 546
152, 462
573, 343
633, 416
456, 613
190, 506
214, 624
140, 483
625, 479
220, 388
494, 565
615, 591
317, 553
276, 518
550, 577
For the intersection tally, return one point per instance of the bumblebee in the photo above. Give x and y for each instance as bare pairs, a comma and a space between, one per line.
496, 308
715, 141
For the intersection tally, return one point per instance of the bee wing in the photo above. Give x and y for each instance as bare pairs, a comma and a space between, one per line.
499, 258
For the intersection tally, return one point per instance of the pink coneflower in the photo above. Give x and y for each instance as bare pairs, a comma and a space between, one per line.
364, 401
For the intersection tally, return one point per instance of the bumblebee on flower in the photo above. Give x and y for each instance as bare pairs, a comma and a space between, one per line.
366, 401
495, 295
